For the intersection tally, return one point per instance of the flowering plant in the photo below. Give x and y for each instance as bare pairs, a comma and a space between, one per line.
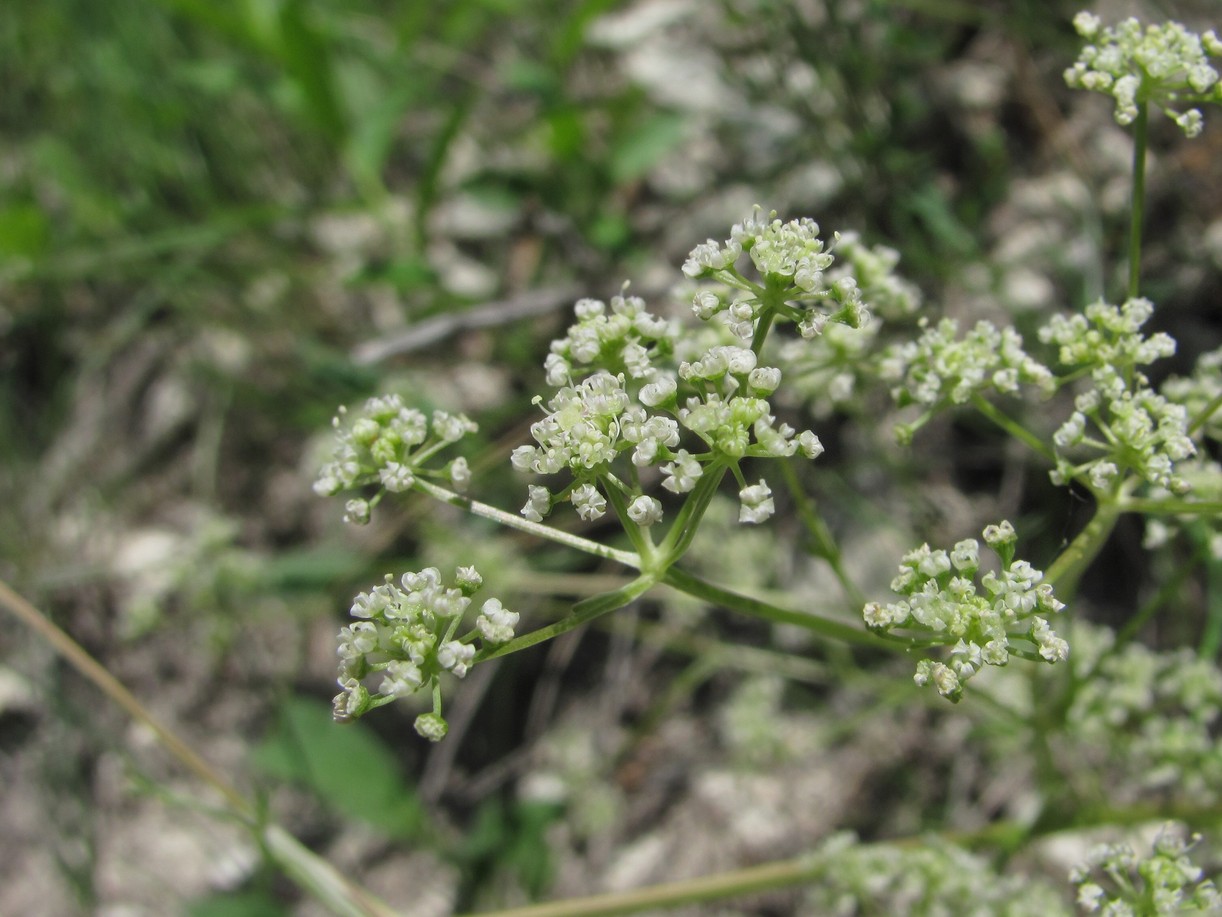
647, 414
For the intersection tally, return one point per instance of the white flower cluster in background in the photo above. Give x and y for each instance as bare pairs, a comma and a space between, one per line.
1164, 64
943, 607
1146, 722
1115, 881
942, 368
407, 635
936, 877
827, 371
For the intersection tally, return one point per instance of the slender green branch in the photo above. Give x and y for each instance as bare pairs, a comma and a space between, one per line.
1166, 592
1138, 205
1013, 427
673, 894
1202, 416
627, 558
1169, 507
639, 537
756, 608
583, 612
824, 543
683, 529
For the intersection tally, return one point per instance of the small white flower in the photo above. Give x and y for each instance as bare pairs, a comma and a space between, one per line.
455, 656
495, 622
706, 304
402, 678
755, 503
966, 554
682, 473
396, 477
809, 444
460, 475
764, 380
538, 503
661, 389
645, 511
468, 579
590, 503
587, 309
1001, 534
450, 428
431, 726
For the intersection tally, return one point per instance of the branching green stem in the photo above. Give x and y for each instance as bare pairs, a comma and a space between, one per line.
683, 529
673, 894
1204, 414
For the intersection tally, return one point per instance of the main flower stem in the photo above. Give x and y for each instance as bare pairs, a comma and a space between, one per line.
1066, 569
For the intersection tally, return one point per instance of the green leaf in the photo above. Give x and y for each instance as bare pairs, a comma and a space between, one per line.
237, 904
306, 58
24, 230
637, 151
347, 767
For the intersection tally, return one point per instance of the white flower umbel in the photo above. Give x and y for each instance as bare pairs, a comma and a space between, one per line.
628, 382
1114, 880
384, 445
943, 368
409, 634
1120, 423
942, 606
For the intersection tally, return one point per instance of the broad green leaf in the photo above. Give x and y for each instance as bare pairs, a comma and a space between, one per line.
347, 766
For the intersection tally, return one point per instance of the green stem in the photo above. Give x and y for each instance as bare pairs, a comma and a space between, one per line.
1161, 599
1138, 206
1082, 550
1167, 507
1013, 427
683, 529
1204, 414
638, 536
756, 608
674, 894
510, 520
583, 612
824, 543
